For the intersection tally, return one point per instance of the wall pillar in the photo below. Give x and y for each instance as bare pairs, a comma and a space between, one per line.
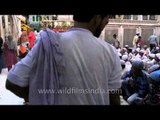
6, 25
120, 35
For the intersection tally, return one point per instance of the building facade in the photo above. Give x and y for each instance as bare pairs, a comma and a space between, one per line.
35, 21
126, 26
10, 25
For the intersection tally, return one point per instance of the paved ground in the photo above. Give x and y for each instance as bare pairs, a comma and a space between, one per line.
6, 97
123, 102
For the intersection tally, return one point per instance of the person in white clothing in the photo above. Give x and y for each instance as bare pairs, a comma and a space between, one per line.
76, 60
134, 42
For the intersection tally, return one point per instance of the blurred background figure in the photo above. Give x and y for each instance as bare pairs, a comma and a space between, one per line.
1, 55
10, 52
135, 39
116, 43
153, 98
23, 45
37, 37
146, 50
139, 42
153, 41
31, 38
135, 85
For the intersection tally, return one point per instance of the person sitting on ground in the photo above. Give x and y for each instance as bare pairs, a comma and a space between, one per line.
146, 50
157, 58
153, 98
135, 85
153, 68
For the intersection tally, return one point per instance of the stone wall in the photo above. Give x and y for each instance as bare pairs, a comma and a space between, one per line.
126, 29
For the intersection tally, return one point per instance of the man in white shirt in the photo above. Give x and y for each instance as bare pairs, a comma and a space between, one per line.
84, 64
134, 42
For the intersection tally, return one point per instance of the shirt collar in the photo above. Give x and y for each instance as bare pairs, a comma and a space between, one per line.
80, 29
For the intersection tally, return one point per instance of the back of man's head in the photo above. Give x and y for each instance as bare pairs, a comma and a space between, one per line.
49, 26
114, 35
94, 23
84, 18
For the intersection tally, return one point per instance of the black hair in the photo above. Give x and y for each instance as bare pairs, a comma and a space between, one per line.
49, 26
123, 66
1, 42
114, 35
139, 37
129, 50
84, 17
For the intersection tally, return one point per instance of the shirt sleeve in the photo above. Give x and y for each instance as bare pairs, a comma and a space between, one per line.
20, 73
126, 75
143, 86
115, 78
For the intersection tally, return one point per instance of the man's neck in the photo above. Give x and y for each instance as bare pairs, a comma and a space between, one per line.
81, 25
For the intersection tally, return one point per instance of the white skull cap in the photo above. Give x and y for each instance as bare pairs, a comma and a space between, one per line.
124, 57
158, 55
152, 55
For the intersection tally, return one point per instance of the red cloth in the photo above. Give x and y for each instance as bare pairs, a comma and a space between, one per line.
139, 42
23, 49
10, 56
31, 39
